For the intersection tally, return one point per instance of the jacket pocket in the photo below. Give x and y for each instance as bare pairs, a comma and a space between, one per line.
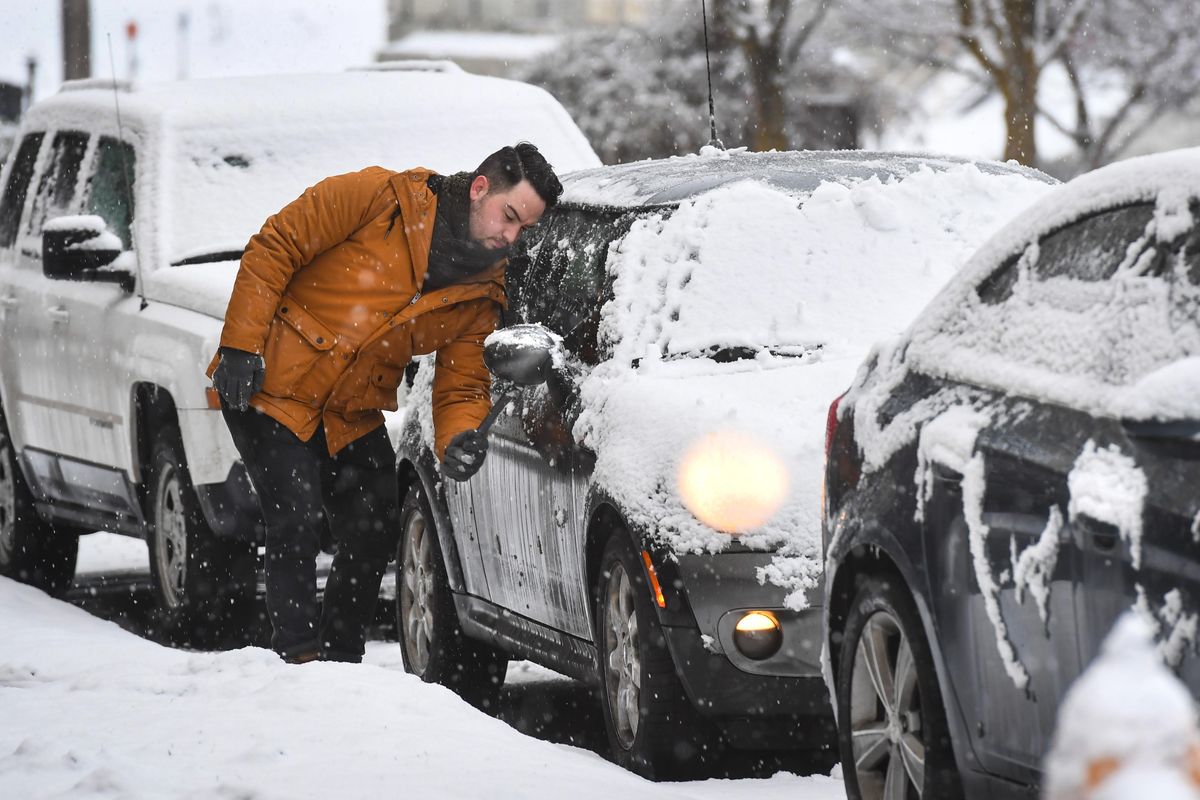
296, 341
379, 390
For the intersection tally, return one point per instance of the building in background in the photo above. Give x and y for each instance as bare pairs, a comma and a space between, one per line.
499, 37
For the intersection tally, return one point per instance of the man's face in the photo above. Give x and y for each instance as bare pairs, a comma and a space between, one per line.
499, 215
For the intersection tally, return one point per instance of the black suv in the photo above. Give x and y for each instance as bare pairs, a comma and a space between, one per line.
572, 546
1011, 475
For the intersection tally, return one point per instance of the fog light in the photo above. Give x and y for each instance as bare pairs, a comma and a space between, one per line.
758, 635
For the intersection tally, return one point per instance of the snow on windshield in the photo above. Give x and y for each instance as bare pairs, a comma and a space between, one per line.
749, 266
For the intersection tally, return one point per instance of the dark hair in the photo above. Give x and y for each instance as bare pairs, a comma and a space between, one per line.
508, 166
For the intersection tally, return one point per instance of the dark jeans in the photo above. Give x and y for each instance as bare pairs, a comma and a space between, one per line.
301, 488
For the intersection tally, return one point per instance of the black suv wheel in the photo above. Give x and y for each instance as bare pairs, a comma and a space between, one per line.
432, 642
893, 735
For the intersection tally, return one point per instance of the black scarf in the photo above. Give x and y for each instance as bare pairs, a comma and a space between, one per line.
453, 257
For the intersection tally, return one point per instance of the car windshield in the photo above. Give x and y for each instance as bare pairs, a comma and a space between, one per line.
747, 269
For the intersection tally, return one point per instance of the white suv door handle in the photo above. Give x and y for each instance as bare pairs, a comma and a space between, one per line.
8, 301
58, 314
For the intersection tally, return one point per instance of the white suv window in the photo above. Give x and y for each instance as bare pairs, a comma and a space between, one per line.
110, 187
56, 190
16, 190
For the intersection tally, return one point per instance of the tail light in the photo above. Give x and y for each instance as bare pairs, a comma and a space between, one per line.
831, 423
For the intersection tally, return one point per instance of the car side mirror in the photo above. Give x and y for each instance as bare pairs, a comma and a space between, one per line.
80, 249
522, 354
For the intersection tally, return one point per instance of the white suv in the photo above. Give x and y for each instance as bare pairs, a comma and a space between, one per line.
120, 234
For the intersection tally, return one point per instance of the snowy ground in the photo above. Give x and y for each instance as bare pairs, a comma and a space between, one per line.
91, 710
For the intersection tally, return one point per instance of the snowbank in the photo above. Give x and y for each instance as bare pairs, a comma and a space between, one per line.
91, 711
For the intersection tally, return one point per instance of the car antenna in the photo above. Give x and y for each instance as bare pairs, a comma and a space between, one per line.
712, 113
137, 255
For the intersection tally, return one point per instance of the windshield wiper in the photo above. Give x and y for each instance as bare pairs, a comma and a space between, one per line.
209, 258
727, 354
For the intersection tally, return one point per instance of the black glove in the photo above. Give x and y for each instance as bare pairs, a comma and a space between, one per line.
464, 455
237, 377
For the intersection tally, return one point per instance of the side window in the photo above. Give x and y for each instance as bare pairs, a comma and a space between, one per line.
110, 187
564, 289
17, 189
1091, 249
56, 190
1094, 248
1086, 306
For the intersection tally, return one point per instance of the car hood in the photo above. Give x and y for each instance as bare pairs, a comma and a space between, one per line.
642, 424
204, 288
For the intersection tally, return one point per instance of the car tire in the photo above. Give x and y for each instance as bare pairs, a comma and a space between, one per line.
898, 733
432, 642
205, 584
653, 728
32, 550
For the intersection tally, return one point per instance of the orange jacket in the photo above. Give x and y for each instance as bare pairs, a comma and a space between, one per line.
331, 300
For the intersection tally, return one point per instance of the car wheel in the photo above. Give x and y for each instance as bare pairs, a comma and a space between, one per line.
205, 584
893, 736
432, 643
652, 727
31, 550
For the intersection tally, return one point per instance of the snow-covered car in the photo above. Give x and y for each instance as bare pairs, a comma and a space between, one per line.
119, 243
1008, 476
647, 519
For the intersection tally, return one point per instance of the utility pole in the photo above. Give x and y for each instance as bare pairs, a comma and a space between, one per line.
31, 64
76, 39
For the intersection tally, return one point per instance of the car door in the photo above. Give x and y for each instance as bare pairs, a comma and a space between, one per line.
39, 408
13, 272
90, 381
534, 482
1163, 455
1025, 603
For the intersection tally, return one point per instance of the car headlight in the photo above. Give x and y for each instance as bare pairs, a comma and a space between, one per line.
732, 482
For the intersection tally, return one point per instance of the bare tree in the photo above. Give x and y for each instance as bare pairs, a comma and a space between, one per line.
641, 93
1144, 52
771, 35
1132, 62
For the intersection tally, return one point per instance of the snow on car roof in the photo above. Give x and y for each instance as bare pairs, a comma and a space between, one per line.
231, 151
671, 180
1150, 375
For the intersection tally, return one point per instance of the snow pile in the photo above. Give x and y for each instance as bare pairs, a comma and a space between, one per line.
91, 711
1127, 728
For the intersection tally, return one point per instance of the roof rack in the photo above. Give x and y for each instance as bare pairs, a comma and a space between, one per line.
410, 65
88, 84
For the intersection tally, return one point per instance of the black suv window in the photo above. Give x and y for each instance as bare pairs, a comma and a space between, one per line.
1093, 248
1090, 249
565, 286
56, 189
17, 188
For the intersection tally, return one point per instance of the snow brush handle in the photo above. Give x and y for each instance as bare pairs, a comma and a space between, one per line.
497, 407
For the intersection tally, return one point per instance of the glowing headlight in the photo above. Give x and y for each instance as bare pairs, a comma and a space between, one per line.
758, 635
731, 482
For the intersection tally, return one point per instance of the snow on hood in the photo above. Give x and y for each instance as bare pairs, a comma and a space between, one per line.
749, 266
200, 287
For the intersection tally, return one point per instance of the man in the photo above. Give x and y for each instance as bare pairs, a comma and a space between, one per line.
334, 296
